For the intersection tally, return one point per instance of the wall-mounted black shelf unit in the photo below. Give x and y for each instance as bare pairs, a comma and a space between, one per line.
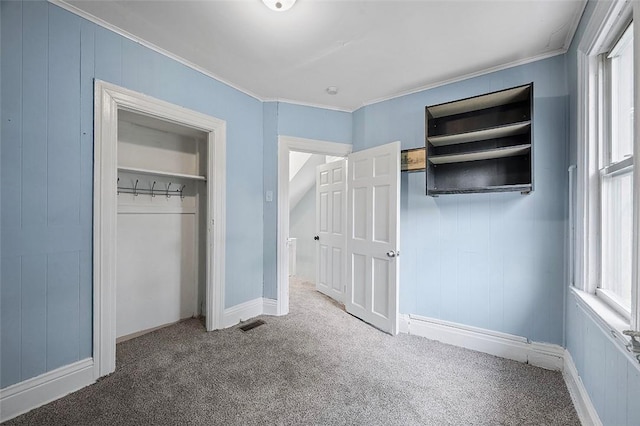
481, 144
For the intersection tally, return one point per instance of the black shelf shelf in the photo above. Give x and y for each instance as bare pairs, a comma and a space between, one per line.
481, 144
524, 188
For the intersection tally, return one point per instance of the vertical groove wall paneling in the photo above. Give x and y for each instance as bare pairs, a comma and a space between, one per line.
33, 209
63, 153
47, 180
108, 64
63, 166
62, 309
87, 65
10, 317
33, 310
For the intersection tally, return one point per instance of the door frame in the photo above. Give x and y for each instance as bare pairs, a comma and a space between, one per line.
286, 144
110, 98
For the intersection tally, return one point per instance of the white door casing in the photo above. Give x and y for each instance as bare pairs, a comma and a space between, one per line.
109, 99
331, 197
373, 236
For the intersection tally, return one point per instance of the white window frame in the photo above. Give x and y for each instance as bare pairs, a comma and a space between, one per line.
608, 20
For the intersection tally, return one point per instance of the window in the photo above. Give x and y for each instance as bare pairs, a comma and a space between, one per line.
616, 172
607, 214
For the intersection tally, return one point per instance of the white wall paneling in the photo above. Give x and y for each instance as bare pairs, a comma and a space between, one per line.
158, 250
157, 276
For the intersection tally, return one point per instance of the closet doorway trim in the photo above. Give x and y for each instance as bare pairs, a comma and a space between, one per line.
110, 98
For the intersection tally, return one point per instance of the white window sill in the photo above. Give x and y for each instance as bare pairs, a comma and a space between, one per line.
607, 318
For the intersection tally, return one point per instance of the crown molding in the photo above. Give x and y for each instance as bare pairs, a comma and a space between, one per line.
81, 13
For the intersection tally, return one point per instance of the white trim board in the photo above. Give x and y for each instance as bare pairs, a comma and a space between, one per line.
243, 312
286, 144
494, 343
551, 357
269, 307
584, 407
32, 393
248, 310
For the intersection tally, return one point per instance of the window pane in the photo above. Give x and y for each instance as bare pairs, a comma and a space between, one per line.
621, 57
617, 197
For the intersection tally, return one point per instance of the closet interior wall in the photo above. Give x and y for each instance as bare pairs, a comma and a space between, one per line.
161, 224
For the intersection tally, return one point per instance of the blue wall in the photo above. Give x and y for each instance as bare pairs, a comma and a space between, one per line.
610, 376
50, 58
494, 261
300, 121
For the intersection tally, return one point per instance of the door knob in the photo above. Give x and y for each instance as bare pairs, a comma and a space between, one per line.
391, 253
317, 237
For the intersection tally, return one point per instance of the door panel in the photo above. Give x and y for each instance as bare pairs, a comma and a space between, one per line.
331, 195
358, 277
380, 287
381, 223
337, 282
373, 237
324, 212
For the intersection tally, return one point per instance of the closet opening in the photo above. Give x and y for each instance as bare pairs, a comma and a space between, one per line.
159, 218
162, 200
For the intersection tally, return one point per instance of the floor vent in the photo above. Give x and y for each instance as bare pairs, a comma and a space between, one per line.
252, 325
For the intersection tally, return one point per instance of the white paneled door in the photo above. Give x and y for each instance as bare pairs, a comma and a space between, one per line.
331, 197
373, 202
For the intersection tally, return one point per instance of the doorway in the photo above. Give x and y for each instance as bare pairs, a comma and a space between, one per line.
286, 145
317, 241
371, 179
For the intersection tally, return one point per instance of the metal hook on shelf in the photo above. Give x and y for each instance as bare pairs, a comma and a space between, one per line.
153, 186
117, 186
168, 186
135, 189
181, 190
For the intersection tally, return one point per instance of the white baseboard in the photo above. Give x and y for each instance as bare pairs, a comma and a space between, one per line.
586, 411
32, 393
551, 357
269, 307
251, 309
491, 342
243, 312
403, 323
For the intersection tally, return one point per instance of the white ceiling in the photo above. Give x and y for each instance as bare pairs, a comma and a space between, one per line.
371, 50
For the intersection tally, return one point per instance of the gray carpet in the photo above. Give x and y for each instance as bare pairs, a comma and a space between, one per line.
318, 365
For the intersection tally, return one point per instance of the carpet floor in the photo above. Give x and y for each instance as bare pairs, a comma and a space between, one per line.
318, 365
